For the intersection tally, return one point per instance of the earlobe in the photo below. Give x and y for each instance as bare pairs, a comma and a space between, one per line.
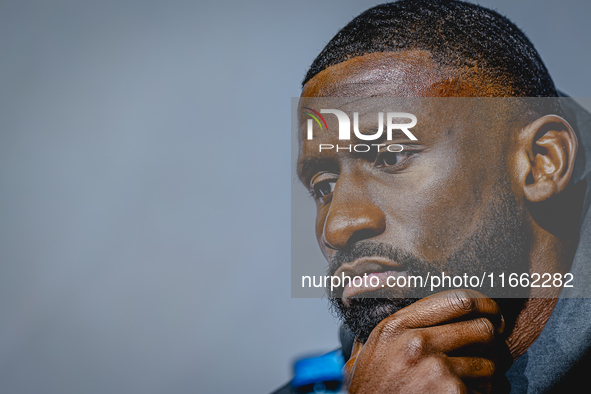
551, 146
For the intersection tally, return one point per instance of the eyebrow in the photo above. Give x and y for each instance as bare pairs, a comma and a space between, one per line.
311, 165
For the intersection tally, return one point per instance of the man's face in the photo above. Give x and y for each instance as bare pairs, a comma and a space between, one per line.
443, 204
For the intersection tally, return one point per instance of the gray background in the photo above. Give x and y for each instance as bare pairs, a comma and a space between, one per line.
145, 186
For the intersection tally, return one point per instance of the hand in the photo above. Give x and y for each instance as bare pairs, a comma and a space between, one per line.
446, 343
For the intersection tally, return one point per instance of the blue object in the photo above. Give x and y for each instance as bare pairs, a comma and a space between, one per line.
322, 374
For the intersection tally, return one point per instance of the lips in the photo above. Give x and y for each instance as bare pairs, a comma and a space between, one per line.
367, 265
372, 273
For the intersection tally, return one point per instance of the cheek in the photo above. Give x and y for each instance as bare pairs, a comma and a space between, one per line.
443, 219
437, 208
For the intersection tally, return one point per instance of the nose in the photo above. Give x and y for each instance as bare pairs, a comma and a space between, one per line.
352, 216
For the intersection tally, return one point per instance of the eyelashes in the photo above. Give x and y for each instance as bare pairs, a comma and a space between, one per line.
323, 184
391, 159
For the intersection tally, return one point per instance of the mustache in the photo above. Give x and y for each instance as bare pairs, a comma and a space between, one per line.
407, 261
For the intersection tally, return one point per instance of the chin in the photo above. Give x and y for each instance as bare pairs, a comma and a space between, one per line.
362, 314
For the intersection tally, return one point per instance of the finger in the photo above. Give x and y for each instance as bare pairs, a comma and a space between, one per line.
455, 336
349, 365
472, 367
348, 370
443, 308
479, 374
435, 375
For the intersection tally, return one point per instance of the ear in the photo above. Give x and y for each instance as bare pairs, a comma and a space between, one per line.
551, 146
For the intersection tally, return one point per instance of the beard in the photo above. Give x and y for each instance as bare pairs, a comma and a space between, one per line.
498, 245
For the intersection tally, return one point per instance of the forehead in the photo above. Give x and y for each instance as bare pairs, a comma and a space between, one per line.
402, 74
409, 73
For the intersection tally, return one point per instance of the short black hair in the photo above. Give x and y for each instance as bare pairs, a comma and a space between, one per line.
457, 33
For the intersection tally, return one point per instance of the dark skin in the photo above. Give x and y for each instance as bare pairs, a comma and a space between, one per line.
428, 201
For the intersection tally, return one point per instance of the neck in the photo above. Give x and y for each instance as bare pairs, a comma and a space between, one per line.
529, 324
551, 255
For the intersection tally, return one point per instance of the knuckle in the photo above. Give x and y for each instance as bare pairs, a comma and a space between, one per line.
437, 366
485, 328
488, 368
462, 301
414, 347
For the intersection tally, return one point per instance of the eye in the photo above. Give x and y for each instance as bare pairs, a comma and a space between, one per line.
389, 159
323, 185
323, 189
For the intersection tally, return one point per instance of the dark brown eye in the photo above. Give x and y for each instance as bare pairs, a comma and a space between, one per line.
323, 188
389, 159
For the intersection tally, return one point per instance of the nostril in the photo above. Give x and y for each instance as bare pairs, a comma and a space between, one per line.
357, 236
329, 245
362, 234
